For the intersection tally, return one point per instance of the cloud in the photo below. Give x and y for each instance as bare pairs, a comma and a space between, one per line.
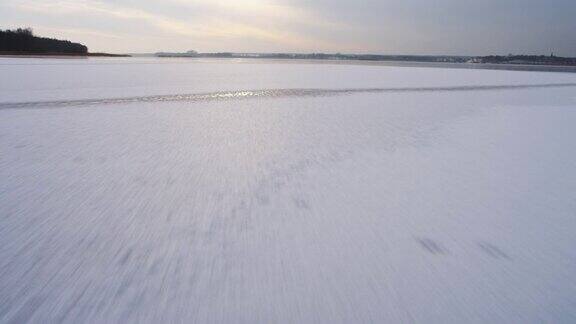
381, 26
223, 21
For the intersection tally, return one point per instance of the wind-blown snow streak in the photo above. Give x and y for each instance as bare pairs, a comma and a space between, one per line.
266, 93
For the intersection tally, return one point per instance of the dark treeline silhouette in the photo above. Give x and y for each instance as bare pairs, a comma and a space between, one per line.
542, 60
23, 41
528, 59
324, 56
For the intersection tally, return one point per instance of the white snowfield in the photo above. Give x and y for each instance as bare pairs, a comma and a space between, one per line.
288, 193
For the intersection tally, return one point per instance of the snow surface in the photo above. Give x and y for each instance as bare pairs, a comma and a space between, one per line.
445, 206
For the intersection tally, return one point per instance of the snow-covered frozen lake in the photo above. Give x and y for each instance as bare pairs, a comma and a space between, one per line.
227, 191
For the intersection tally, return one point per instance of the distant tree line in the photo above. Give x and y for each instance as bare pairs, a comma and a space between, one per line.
23, 41
528, 59
493, 59
323, 56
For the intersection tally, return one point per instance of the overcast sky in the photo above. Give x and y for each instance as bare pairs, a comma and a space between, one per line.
467, 27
